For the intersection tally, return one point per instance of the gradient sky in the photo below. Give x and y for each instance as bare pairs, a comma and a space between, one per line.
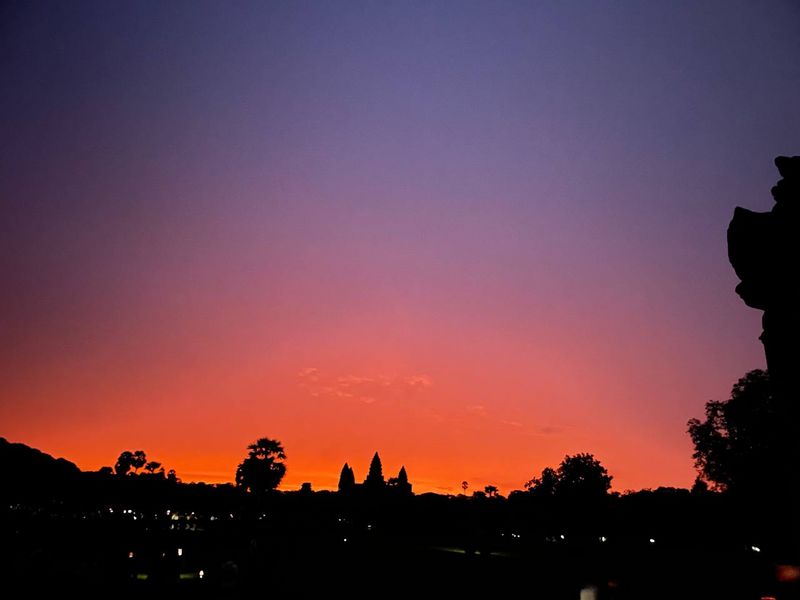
473, 236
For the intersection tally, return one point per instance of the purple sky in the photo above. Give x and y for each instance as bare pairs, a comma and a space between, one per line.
524, 203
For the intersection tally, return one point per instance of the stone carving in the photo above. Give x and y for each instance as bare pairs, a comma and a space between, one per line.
764, 249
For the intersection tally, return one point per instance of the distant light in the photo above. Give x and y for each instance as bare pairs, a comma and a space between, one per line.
345, 539
755, 548
167, 512
201, 574
130, 554
652, 541
180, 551
787, 573
111, 510
603, 538
562, 536
134, 517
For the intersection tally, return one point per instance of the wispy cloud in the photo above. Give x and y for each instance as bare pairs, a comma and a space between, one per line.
362, 388
309, 374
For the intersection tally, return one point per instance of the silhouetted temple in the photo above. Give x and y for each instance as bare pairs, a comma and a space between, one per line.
374, 481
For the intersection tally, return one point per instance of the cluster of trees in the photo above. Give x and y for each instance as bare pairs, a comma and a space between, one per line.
129, 463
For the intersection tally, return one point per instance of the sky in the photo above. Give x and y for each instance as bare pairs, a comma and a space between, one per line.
472, 236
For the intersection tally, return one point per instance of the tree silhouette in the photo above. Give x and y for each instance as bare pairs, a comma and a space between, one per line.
124, 463
153, 466
580, 476
139, 460
545, 485
263, 468
490, 491
130, 460
347, 479
739, 444
374, 478
464, 486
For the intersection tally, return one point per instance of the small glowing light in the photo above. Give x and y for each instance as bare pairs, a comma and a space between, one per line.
167, 512
652, 541
345, 539
603, 538
201, 574
562, 536
134, 517
130, 554
755, 548
180, 551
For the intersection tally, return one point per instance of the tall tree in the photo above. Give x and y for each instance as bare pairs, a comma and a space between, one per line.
263, 468
740, 445
374, 478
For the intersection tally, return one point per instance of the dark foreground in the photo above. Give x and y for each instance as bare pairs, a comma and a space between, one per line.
231, 557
